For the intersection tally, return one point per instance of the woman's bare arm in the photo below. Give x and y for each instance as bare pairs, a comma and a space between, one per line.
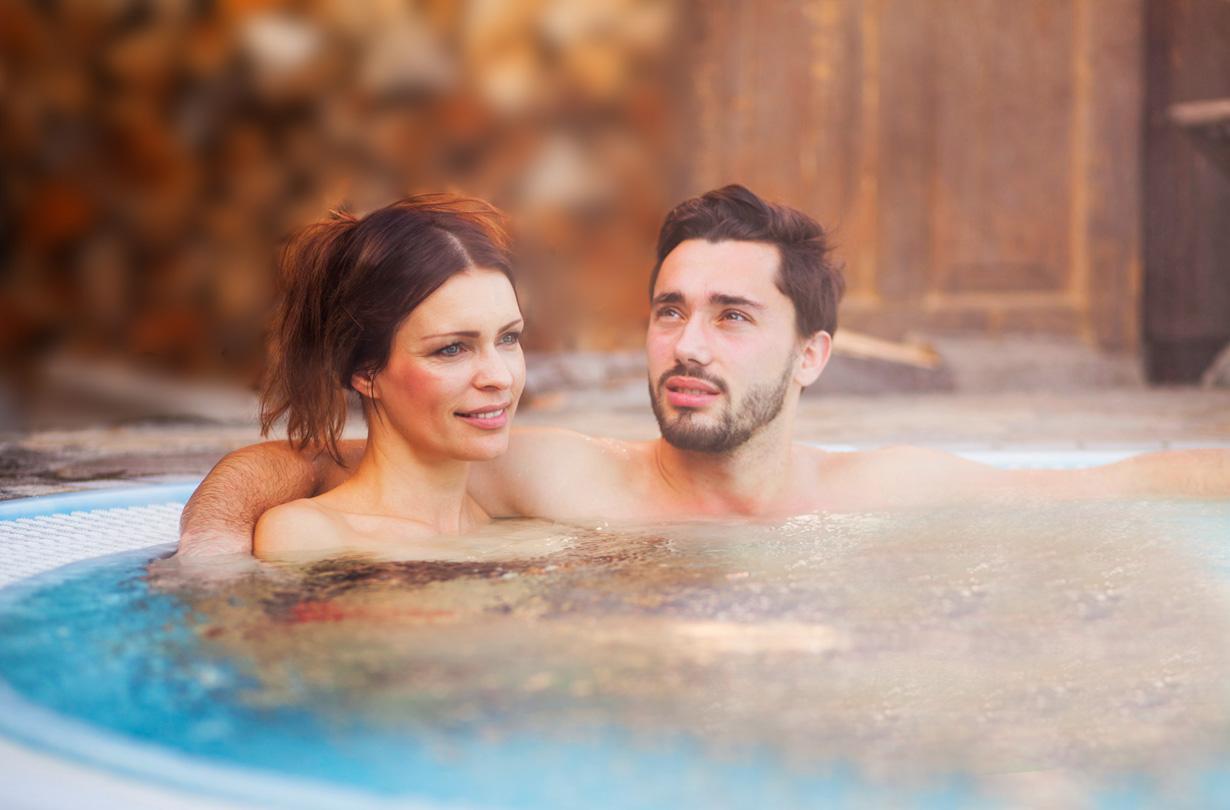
220, 516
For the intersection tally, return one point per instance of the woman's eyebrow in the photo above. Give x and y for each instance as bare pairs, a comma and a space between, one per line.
471, 333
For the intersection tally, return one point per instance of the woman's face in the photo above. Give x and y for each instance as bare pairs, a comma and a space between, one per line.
455, 371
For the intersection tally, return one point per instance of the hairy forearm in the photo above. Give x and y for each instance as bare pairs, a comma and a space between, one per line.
1180, 473
220, 516
1172, 474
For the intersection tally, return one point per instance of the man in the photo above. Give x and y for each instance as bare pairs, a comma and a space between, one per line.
744, 305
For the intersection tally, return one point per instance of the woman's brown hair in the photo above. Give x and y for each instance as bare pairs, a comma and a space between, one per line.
347, 284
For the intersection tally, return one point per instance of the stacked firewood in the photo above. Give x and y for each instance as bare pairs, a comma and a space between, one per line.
156, 153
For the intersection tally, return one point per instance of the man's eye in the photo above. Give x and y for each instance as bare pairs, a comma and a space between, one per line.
732, 315
510, 338
451, 350
668, 312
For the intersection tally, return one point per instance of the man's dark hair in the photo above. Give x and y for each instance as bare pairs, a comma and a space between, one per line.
805, 274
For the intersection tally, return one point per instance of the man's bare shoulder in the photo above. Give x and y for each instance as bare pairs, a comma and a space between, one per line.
297, 526
898, 475
554, 440
531, 451
894, 459
546, 469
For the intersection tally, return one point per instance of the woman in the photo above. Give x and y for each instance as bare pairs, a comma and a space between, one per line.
412, 308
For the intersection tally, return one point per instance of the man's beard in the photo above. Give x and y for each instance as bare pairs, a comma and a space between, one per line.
759, 407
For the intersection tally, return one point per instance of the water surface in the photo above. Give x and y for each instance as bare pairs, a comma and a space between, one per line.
1004, 651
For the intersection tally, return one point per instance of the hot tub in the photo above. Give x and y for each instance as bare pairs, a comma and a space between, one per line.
925, 659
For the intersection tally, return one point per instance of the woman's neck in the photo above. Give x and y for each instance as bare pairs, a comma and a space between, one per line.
395, 480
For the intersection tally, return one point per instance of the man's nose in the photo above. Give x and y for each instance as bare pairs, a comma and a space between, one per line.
493, 371
693, 343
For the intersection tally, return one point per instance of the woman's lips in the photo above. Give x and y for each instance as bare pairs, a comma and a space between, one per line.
492, 418
689, 392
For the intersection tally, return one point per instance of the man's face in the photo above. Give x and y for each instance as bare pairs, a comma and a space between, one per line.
721, 343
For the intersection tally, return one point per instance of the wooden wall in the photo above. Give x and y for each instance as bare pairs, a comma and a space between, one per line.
977, 160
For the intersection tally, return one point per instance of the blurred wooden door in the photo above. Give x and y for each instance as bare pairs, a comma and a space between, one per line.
978, 161
1187, 203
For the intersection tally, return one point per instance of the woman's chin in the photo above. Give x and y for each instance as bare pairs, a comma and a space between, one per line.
485, 449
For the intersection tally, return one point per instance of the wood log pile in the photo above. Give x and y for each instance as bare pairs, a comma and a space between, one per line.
155, 153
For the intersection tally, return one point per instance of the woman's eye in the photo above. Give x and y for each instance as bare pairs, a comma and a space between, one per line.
510, 338
451, 350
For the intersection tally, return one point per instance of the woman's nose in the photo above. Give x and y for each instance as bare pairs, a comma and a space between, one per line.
493, 371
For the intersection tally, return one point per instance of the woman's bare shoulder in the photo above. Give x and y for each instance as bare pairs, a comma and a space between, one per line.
297, 526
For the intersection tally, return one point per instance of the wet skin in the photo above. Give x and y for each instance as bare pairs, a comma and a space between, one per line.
720, 334
721, 341
445, 398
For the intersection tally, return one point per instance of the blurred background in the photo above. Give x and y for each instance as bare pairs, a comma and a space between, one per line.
1024, 193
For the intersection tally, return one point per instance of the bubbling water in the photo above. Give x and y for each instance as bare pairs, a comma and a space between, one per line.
1086, 639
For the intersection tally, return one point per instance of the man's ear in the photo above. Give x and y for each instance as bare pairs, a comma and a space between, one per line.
813, 357
364, 382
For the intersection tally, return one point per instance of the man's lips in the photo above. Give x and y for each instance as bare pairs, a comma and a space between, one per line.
489, 417
690, 392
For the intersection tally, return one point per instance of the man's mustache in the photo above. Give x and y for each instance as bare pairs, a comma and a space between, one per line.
696, 372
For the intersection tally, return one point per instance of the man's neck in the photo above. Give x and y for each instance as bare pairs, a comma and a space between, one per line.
755, 479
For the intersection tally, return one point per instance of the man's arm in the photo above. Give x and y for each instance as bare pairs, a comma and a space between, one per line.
1170, 474
544, 472
220, 516
922, 476
939, 476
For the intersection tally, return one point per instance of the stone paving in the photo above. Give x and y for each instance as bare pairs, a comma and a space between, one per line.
50, 461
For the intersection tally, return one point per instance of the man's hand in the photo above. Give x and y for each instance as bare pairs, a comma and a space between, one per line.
220, 516
179, 571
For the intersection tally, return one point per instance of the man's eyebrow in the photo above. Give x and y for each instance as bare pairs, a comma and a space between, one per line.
470, 333
734, 301
668, 298
721, 299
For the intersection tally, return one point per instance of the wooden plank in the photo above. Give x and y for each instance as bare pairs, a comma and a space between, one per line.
907, 153
776, 105
1207, 123
907, 353
956, 148
1110, 282
1004, 115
